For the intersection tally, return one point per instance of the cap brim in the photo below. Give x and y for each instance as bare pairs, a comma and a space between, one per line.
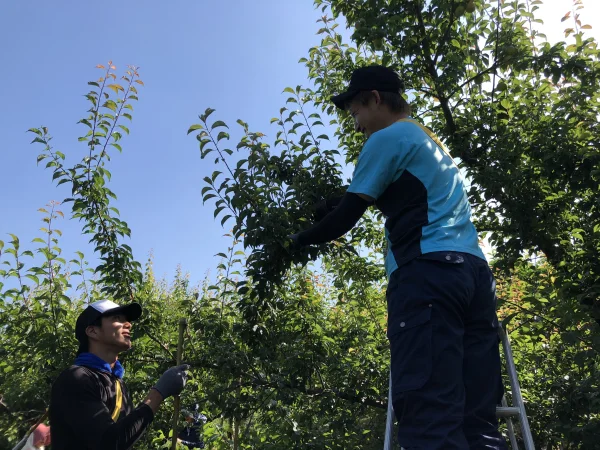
133, 311
342, 99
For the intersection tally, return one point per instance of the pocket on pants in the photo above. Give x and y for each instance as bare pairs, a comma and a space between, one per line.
411, 350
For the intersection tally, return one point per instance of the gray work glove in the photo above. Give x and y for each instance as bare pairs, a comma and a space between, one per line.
172, 381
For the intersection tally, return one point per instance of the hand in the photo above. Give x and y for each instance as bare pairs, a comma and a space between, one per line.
295, 243
172, 381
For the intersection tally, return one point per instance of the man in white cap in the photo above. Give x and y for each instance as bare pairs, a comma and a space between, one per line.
90, 407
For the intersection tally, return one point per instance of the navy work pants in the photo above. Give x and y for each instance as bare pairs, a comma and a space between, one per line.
443, 333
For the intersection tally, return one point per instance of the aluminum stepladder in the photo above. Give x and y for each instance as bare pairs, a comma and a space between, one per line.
505, 412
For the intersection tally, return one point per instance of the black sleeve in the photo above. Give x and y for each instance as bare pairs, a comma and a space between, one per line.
324, 207
123, 434
338, 222
79, 401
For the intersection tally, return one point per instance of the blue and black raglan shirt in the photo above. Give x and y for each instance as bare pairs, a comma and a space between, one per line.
420, 191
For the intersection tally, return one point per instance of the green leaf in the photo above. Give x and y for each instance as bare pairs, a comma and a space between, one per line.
35, 279
225, 219
219, 123
115, 87
206, 114
195, 127
110, 104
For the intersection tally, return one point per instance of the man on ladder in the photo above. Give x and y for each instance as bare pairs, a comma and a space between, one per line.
504, 411
442, 323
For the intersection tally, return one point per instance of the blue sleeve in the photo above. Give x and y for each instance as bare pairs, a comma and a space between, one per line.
380, 163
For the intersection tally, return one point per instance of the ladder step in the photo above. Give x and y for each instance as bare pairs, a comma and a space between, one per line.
507, 411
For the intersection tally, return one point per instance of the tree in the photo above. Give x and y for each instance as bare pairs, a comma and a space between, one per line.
119, 271
556, 357
305, 372
288, 349
519, 114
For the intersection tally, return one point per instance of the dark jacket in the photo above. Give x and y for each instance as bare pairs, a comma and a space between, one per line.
190, 435
81, 406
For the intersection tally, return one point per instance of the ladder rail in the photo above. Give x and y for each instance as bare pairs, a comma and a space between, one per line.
509, 424
506, 411
503, 411
517, 397
389, 423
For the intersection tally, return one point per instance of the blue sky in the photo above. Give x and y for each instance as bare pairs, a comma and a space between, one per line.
234, 56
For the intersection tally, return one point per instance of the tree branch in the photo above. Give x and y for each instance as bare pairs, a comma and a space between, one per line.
431, 70
489, 69
444, 39
315, 392
163, 346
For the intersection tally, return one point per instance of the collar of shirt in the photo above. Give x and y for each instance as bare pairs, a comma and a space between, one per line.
94, 362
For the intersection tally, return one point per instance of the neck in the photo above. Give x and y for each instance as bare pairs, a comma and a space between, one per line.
388, 120
393, 118
107, 354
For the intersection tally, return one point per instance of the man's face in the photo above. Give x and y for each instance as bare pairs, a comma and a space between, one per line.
114, 333
368, 118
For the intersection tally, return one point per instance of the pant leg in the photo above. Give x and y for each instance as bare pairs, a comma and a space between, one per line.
482, 366
427, 301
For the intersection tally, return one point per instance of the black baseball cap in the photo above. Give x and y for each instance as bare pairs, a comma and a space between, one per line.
102, 308
370, 78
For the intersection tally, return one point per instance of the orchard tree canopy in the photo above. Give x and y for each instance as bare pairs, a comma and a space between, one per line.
518, 113
288, 348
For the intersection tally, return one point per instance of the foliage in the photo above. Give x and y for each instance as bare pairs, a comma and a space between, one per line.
519, 114
38, 320
286, 355
556, 354
316, 376
119, 271
265, 193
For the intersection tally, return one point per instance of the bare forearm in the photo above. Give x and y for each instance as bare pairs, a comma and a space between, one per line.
153, 400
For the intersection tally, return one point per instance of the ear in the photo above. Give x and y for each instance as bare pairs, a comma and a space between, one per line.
377, 97
91, 331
